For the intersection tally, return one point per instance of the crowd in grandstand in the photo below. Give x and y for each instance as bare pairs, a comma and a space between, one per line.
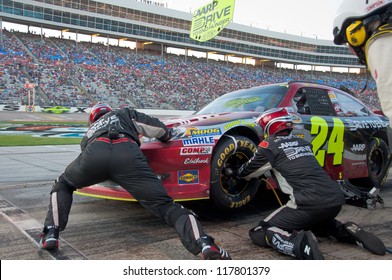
73, 73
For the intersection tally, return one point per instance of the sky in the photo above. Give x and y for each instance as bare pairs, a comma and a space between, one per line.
308, 18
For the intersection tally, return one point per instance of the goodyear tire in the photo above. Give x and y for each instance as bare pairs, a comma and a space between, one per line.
225, 192
377, 160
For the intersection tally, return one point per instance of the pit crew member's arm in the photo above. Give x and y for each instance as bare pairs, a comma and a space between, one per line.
150, 127
255, 167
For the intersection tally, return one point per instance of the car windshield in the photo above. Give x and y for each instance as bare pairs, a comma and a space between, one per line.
256, 99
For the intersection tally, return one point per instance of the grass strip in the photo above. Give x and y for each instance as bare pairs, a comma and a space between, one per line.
28, 140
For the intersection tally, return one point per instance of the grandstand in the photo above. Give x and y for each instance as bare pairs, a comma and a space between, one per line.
73, 73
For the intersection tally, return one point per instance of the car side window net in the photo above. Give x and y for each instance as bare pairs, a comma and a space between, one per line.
319, 102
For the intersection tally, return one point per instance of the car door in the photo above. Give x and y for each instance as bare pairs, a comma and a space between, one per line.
322, 121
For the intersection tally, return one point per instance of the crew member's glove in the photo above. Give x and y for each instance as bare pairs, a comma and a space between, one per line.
169, 135
173, 132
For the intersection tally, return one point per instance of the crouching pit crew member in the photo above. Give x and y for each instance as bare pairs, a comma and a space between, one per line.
314, 198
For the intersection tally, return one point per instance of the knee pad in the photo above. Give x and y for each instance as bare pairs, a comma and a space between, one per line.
62, 184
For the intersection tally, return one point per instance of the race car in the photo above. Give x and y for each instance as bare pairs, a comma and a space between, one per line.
350, 142
56, 110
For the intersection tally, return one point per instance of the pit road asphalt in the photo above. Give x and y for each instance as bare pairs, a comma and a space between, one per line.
101, 229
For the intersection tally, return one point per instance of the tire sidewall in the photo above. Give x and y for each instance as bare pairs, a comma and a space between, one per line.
374, 145
225, 149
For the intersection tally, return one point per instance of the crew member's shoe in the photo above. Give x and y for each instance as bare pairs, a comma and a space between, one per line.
365, 239
49, 238
258, 236
211, 251
309, 246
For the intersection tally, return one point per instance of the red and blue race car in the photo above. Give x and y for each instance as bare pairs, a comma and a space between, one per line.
351, 142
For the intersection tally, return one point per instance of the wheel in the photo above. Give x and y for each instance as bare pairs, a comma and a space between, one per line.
377, 160
225, 192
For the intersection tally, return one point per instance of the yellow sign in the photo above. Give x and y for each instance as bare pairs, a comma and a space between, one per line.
209, 20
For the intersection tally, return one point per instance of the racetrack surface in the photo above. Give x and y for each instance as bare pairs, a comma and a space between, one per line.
101, 229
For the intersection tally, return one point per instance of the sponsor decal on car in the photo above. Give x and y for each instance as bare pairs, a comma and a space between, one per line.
196, 160
198, 141
333, 97
202, 150
186, 177
238, 102
358, 147
238, 122
206, 132
335, 139
355, 124
296, 119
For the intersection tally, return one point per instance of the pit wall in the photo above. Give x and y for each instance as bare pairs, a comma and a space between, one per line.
32, 109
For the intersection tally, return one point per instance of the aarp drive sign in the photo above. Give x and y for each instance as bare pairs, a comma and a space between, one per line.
209, 20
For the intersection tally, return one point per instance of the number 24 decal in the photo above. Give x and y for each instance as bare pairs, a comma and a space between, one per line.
319, 127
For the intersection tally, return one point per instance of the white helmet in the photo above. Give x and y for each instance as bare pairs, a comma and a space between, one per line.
353, 11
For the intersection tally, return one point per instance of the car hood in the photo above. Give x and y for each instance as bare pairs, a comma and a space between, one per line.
208, 119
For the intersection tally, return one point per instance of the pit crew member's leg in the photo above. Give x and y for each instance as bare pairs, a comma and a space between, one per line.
87, 169
135, 175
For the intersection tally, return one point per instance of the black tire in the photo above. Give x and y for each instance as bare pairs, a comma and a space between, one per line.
225, 192
377, 160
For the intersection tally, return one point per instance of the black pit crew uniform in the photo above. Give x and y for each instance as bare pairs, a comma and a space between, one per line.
314, 198
110, 151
